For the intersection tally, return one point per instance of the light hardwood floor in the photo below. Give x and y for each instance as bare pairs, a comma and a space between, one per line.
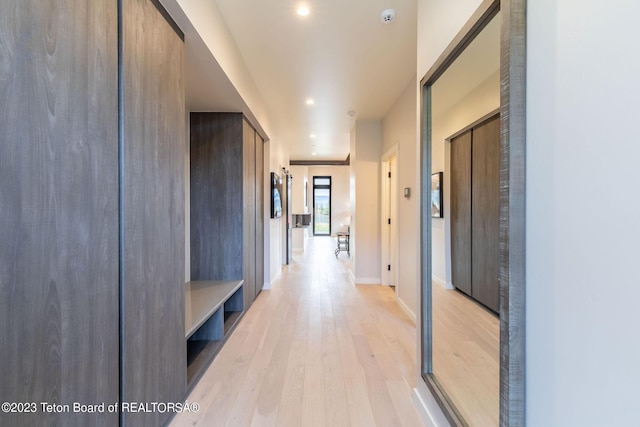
316, 350
466, 355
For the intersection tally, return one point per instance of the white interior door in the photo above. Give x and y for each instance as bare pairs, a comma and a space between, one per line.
389, 215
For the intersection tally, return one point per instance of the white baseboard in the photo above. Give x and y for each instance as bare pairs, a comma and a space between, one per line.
367, 280
406, 309
427, 406
441, 282
267, 285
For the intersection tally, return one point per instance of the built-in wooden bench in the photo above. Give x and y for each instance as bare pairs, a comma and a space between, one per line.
212, 309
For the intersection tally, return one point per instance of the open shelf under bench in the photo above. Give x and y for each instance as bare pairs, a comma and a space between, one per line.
212, 308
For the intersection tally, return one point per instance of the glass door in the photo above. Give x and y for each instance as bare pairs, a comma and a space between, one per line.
321, 205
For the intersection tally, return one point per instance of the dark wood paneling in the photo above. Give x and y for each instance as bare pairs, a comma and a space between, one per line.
227, 218
59, 208
154, 353
461, 212
485, 204
216, 196
259, 213
249, 212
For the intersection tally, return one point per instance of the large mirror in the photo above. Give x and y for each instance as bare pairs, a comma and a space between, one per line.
473, 251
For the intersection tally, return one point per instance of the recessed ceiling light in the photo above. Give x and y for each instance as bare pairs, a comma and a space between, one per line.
310, 101
313, 154
303, 11
313, 135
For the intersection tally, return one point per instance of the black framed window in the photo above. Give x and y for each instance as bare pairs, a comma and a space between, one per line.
321, 205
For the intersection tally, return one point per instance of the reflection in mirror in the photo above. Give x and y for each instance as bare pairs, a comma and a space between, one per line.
465, 132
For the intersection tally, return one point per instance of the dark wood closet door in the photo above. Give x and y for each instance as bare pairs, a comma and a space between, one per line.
58, 208
154, 352
216, 196
461, 212
259, 213
485, 206
249, 216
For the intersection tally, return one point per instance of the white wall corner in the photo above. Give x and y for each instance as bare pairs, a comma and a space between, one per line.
269, 285
407, 310
441, 282
427, 406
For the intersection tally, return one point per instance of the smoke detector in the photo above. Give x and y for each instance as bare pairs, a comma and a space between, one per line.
387, 16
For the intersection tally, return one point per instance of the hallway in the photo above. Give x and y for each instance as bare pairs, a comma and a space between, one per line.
313, 351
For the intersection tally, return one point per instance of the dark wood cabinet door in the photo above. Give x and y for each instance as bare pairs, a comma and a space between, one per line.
485, 206
216, 196
461, 212
249, 212
58, 208
260, 205
153, 273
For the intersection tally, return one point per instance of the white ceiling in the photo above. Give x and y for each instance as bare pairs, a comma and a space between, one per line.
341, 55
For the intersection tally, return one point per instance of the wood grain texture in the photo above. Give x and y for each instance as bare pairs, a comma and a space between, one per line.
461, 214
260, 206
485, 205
217, 196
153, 211
227, 201
59, 207
249, 212
513, 213
466, 355
315, 350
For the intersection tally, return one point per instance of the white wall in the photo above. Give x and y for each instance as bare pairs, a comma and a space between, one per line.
365, 175
583, 290
438, 23
207, 20
340, 194
300, 176
582, 216
399, 128
278, 158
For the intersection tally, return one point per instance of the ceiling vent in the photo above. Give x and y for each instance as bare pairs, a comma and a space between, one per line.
387, 16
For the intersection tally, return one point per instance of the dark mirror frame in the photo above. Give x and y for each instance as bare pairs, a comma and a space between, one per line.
512, 206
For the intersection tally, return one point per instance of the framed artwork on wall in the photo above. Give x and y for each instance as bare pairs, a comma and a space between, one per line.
436, 195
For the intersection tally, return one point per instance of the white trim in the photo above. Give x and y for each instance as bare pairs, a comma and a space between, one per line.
441, 282
367, 281
386, 257
351, 276
427, 406
407, 310
389, 153
267, 285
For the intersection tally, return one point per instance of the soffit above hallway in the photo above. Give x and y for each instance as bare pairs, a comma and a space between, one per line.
341, 55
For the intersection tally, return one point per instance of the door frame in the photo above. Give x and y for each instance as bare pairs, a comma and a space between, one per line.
313, 197
389, 210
